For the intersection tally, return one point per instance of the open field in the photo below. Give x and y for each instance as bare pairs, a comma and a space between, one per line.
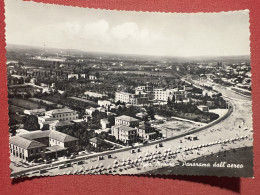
24, 103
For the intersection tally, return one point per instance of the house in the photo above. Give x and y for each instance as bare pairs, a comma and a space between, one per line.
64, 114
94, 94
126, 134
127, 121
59, 125
89, 111
25, 149
39, 144
96, 142
104, 123
38, 112
104, 103
203, 108
76, 76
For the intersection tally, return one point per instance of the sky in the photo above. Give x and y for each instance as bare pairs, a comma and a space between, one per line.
127, 32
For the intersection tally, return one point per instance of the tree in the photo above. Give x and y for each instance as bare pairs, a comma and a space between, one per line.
173, 99
169, 103
31, 123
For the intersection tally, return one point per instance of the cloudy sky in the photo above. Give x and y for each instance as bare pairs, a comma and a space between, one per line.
167, 34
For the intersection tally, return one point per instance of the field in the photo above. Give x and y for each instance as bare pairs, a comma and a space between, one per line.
24, 103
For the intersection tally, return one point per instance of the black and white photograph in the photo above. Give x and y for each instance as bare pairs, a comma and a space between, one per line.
95, 91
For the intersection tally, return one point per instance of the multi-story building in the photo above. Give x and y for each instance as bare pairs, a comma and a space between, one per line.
126, 121
146, 134
64, 114
25, 149
140, 99
126, 134
122, 97
164, 94
37, 144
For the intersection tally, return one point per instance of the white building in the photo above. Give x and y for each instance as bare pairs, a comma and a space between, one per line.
104, 103
76, 76
35, 112
164, 94
94, 94
64, 114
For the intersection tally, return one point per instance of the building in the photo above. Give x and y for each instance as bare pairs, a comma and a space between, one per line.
146, 134
104, 103
104, 123
42, 144
38, 112
25, 149
96, 142
59, 125
165, 94
94, 94
64, 114
70, 76
122, 97
89, 111
126, 121
92, 77
133, 99
203, 108
126, 134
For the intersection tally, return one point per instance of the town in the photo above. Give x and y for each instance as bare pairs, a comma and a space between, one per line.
67, 104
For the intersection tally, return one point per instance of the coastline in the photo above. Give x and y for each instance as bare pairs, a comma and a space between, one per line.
227, 157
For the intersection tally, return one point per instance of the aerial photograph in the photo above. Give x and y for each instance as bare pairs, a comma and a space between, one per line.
94, 91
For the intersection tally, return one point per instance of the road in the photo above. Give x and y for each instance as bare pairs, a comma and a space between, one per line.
238, 124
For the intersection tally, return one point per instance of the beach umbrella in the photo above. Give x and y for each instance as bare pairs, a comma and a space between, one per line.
115, 162
128, 159
96, 166
69, 173
140, 156
108, 167
64, 173
91, 167
101, 165
75, 172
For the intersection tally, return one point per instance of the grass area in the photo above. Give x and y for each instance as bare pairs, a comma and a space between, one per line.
235, 156
24, 103
13, 109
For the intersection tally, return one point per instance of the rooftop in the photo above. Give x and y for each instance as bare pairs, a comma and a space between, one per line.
58, 111
62, 137
96, 140
124, 128
25, 143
